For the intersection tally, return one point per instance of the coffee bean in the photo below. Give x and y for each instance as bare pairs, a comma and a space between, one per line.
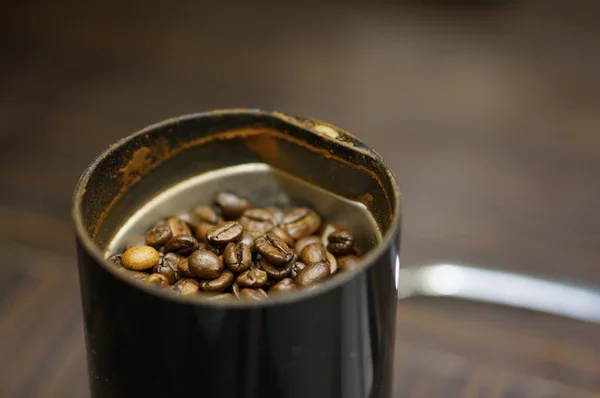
283, 235
201, 230
312, 274
206, 214
302, 243
237, 257
327, 230
188, 218
273, 272
222, 234
181, 244
301, 222
348, 263
219, 284
252, 278
205, 264
178, 227
277, 214
333, 266
232, 205
157, 279
186, 287
139, 258
221, 297
235, 289
296, 268
172, 261
274, 249
248, 240
159, 235
137, 275
183, 267
340, 243
168, 272
313, 253
257, 222
253, 294
284, 285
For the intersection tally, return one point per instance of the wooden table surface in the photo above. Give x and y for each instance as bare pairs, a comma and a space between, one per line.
488, 114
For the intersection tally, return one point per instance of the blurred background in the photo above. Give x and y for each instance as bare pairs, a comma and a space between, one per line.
487, 111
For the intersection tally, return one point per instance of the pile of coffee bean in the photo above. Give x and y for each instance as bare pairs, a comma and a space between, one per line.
232, 250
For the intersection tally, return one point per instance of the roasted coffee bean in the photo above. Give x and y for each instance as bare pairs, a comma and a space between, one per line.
284, 285
277, 213
188, 218
301, 222
172, 260
296, 268
168, 272
178, 227
237, 257
201, 230
283, 235
157, 279
219, 284
340, 243
235, 289
274, 249
137, 275
327, 230
254, 277
232, 205
257, 222
181, 244
222, 296
205, 264
333, 266
184, 268
206, 214
348, 263
186, 287
224, 233
248, 240
253, 294
312, 274
159, 235
273, 272
313, 253
140, 258
302, 243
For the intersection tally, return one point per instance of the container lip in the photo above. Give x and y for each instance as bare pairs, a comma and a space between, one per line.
307, 124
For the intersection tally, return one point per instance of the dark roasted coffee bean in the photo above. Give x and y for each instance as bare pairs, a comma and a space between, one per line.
252, 278
302, 243
248, 240
296, 268
253, 294
273, 272
205, 264
224, 233
340, 243
181, 244
183, 268
237, 257
312, 274
284, 285
257, 222
232, 205
140, 258
186, 287
167, 271
201, 230
301, 222
348, 263
222, 296
207, 214
274, 249
137, 275
283, 235
178, 227
333, 266
277, 213
172, 260
219, 284
157, 279
159, 235
313, 253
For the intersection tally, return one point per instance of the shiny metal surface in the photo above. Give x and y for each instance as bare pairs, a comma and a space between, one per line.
571, 299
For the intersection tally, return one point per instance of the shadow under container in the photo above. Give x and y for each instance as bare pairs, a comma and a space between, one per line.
335, 341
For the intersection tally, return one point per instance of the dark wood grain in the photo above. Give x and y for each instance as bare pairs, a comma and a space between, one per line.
488, 114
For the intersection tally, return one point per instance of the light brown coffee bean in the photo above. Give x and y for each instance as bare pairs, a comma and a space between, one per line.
232, 206
275, 272
181, 244
254, 277
313, 253
283, 235
253, 294
157, 279
284, 285
312, 274
348, 263
237, 257
205, 264
224, 233
274, 249
186, 287
178, 227
301, 222
219, 284
333, 266
140, 258
340, 243
159, 235
257, 222
302, 243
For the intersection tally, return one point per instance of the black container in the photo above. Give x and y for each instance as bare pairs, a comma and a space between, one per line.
336, 341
